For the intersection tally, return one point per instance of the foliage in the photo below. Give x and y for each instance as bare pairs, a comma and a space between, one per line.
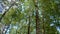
49, 13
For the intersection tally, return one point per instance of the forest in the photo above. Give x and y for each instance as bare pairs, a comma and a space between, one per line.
29, 16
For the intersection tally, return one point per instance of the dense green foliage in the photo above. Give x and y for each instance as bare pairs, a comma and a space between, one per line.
18, 16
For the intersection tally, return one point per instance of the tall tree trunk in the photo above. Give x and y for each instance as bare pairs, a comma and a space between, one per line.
43, 26
29, 26
43, 30
37, 23
37, 17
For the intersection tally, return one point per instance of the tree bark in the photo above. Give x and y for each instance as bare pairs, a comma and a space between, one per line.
29, 26
37, 17
37, 23
43, 26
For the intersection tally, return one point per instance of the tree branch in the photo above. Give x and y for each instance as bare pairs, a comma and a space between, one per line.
6, 11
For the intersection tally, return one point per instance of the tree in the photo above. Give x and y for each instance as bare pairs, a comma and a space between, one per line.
32, 17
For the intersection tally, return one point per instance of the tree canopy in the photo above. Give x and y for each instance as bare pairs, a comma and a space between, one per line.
31, 17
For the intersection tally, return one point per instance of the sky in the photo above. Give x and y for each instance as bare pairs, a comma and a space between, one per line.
1, 8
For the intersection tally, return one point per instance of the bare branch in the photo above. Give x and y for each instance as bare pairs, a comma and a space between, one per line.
6, 11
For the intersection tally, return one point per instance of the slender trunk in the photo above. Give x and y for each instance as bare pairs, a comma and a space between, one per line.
43, 26
37, 17
37, 20
29, 26
37, 23
43, 29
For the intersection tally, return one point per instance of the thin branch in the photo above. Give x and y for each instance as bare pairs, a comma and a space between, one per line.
6, 11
